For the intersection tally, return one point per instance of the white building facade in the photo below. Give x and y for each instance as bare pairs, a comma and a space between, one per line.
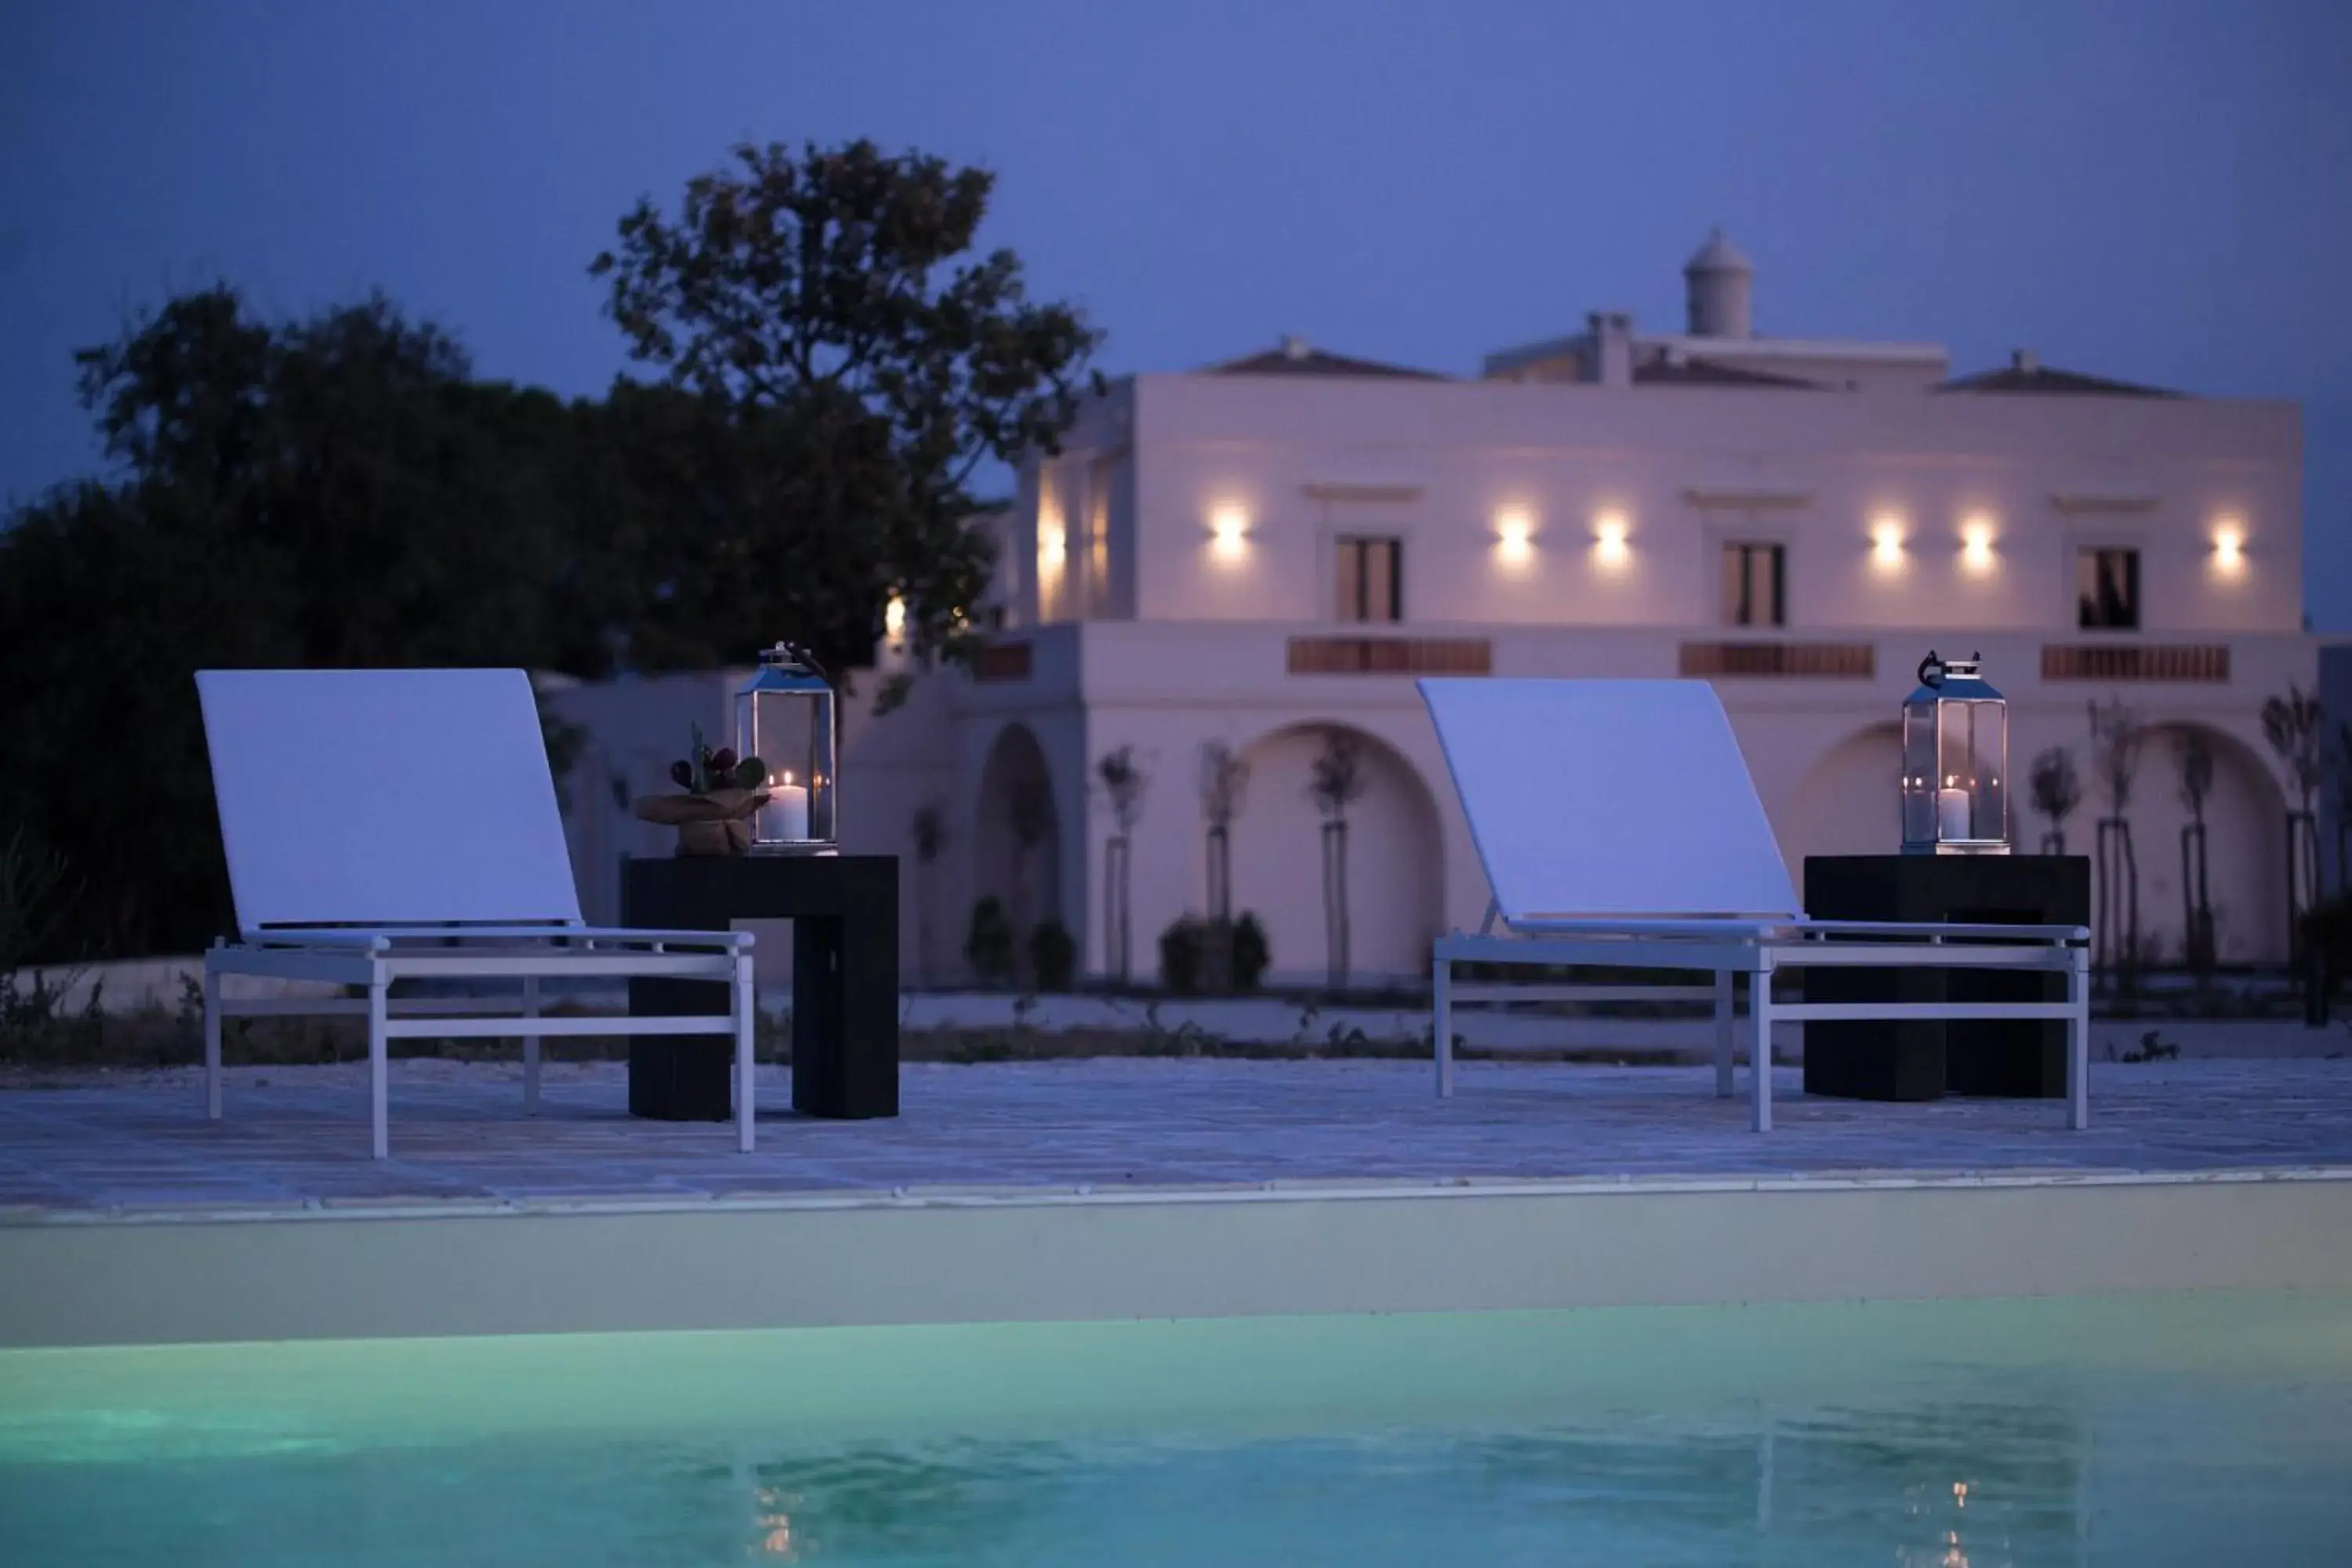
1262, 554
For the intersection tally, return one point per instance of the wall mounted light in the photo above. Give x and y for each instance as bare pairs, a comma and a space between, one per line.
2229, 546
1229, 533
1609, 546
1052, 544
1886, 542
1976, 543
894, 618
1515, 536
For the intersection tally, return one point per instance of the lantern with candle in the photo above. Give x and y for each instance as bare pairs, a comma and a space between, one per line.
784, 715
1955, 762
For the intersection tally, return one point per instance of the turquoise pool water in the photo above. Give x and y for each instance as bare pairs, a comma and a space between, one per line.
2125, 1430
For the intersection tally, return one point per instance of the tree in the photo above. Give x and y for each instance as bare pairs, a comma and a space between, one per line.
1336, 781
331, 490
2117, 737
360, 485
2342, 776
1224, 778
1123, 784
1031, 813
2057, 791
832, 303
2293, 725
2192, 757
930, 831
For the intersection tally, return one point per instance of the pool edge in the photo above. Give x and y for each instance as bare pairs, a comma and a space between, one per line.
946, 1256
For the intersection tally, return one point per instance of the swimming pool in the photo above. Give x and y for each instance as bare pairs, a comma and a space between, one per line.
2142, 1429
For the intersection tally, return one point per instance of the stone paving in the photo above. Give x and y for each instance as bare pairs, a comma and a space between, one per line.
298, 1136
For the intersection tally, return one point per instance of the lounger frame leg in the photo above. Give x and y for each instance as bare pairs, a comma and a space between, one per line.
379, 1068
212, 1043
2078, 1040
530, 1047
1726, 1030
1760, 1042
746, 1014
1441, 1024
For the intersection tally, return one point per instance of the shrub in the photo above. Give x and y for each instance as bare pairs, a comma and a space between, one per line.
1179, 955
988, 942
1053, 956
1206, 957
1251, 951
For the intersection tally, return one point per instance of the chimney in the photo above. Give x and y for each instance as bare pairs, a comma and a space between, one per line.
1294, 347
2025, 361
1612, 348
1719, 277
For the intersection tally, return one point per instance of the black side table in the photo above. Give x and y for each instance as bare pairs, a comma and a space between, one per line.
844, 915
1925, 1058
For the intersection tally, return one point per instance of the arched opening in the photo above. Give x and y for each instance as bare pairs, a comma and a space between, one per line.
1016, 846
1393, 904
1847, 801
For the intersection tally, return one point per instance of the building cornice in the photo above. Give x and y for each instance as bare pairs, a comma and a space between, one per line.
1362, 494
2102, 503
1745, 497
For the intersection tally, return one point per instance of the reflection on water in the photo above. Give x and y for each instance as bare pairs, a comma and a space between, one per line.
1979, 1483
2039, 1459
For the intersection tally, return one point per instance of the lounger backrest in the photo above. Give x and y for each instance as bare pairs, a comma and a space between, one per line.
385, 797
1609, 799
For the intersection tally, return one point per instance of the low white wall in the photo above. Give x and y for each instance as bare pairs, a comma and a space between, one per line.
140, 982
1121, 1256
136, 984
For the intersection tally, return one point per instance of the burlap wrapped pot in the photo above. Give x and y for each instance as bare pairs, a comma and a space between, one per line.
716, 822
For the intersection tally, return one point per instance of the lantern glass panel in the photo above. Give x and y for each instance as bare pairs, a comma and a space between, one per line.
1988, 732
1919, 776
1956, 783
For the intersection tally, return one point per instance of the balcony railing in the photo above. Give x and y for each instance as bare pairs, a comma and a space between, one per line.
2132, 661
1826, 660
1001, 661
1391, 656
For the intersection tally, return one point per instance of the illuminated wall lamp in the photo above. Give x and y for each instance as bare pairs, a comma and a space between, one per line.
1229, 533
1609, 546
1515, 533
1976, 548
1887, 543
1053, 546
2230, 547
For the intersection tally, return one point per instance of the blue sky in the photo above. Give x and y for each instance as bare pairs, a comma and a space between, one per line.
2150, 189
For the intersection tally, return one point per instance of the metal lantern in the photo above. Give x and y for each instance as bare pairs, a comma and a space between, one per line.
1955, 762
784, 717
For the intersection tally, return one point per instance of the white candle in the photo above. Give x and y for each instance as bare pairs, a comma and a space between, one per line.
1952, 813
785, 816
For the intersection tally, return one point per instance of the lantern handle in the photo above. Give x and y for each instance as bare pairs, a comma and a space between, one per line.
794, 653
1931, 669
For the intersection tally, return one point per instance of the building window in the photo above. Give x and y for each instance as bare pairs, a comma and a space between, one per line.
2107, 590
1371, 579
1755, 585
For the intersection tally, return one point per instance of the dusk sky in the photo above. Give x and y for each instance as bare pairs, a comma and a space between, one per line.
2157, 190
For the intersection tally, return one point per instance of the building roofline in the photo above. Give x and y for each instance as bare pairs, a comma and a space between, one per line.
1890, 352
1714, 348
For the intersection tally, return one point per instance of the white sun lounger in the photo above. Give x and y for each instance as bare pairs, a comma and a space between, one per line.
394, 824
1619, 828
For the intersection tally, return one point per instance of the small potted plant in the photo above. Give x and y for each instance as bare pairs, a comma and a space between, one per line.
722, 792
